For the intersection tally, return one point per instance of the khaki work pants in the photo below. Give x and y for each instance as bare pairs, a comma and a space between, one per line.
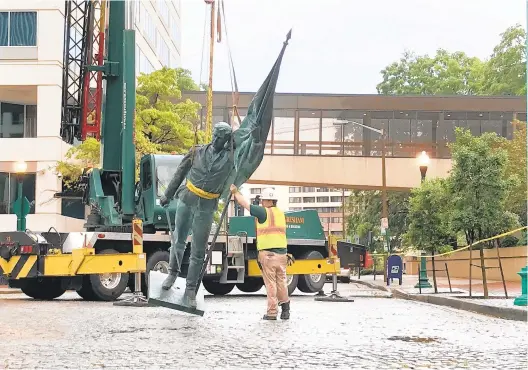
274, 275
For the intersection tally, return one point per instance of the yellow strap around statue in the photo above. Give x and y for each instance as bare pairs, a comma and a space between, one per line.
201, 193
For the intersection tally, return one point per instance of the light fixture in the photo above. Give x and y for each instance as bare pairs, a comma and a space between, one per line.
423, 159
20, 167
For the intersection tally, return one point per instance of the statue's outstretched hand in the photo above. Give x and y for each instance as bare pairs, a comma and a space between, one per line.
164, 201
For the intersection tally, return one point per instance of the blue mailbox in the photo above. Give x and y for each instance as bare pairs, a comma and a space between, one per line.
394, 269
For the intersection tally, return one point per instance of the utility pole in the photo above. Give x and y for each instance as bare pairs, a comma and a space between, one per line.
343, 213
384, 202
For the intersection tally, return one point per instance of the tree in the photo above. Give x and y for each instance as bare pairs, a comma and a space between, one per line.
459, 74
161, 125
364, 210
446, 74
505, 72
429, 215
516, 201
479, 187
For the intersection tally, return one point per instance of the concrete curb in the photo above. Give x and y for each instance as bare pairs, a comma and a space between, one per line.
10, 291
500, 312
371, 285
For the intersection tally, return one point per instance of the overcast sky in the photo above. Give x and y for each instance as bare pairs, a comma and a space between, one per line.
339, 46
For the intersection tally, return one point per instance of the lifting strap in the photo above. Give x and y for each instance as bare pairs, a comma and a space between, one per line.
232, 74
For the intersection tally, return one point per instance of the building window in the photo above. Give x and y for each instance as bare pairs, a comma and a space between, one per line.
256, 190
295, 189
173, 61
322, 199
295, 208
164, 11
174, 31
144, 64
8, 191
296, 200
322, 190
336, 220
162, 50
18, 120
336, 199
308, 189
149, 28
309, 199
18, 29
137, 12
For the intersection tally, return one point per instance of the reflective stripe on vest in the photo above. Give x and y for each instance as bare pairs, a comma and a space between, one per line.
272, 233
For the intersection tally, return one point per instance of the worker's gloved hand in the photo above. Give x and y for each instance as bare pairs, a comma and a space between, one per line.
291, 259
164, 201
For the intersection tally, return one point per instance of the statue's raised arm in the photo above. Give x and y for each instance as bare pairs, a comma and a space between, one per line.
250, 138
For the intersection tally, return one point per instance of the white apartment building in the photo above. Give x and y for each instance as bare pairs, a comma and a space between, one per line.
31, 65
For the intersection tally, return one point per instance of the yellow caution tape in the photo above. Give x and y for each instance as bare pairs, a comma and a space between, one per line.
460, 249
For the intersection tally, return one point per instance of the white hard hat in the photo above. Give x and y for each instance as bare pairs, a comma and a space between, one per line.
268, 194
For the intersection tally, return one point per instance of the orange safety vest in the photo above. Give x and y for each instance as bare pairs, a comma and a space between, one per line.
272, 233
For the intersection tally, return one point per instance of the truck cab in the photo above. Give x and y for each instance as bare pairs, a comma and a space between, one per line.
155, 174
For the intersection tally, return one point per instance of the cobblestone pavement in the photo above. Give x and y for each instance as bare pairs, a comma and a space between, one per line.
370, 333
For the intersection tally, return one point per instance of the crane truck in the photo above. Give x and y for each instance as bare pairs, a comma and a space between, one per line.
100, 262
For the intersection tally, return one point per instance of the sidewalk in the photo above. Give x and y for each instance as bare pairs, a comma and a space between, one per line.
497, 305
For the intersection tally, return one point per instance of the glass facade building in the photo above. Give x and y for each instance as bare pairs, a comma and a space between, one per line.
331, 125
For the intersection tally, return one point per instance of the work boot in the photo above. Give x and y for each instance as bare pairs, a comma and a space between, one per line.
285, 312
169, 281
267, 317
189, 298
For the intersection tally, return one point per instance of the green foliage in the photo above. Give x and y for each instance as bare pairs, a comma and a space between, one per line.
161, 125
505, 72
509, 241
445, 74
479, 186
517, 198
459, 74
168, 126
364, 209
429, 215
86, 155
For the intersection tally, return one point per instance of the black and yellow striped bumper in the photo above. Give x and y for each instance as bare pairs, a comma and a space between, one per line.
82, 261
19, 267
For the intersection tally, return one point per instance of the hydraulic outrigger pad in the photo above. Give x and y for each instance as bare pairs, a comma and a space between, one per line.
138, 299
334, 295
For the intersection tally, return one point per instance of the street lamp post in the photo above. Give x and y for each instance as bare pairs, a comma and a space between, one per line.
423, 282
384, 202
21, 204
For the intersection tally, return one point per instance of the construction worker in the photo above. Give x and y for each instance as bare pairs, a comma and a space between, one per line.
272, 250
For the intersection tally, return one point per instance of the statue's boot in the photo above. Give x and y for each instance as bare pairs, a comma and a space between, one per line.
174, 270
189, 298
169, 281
